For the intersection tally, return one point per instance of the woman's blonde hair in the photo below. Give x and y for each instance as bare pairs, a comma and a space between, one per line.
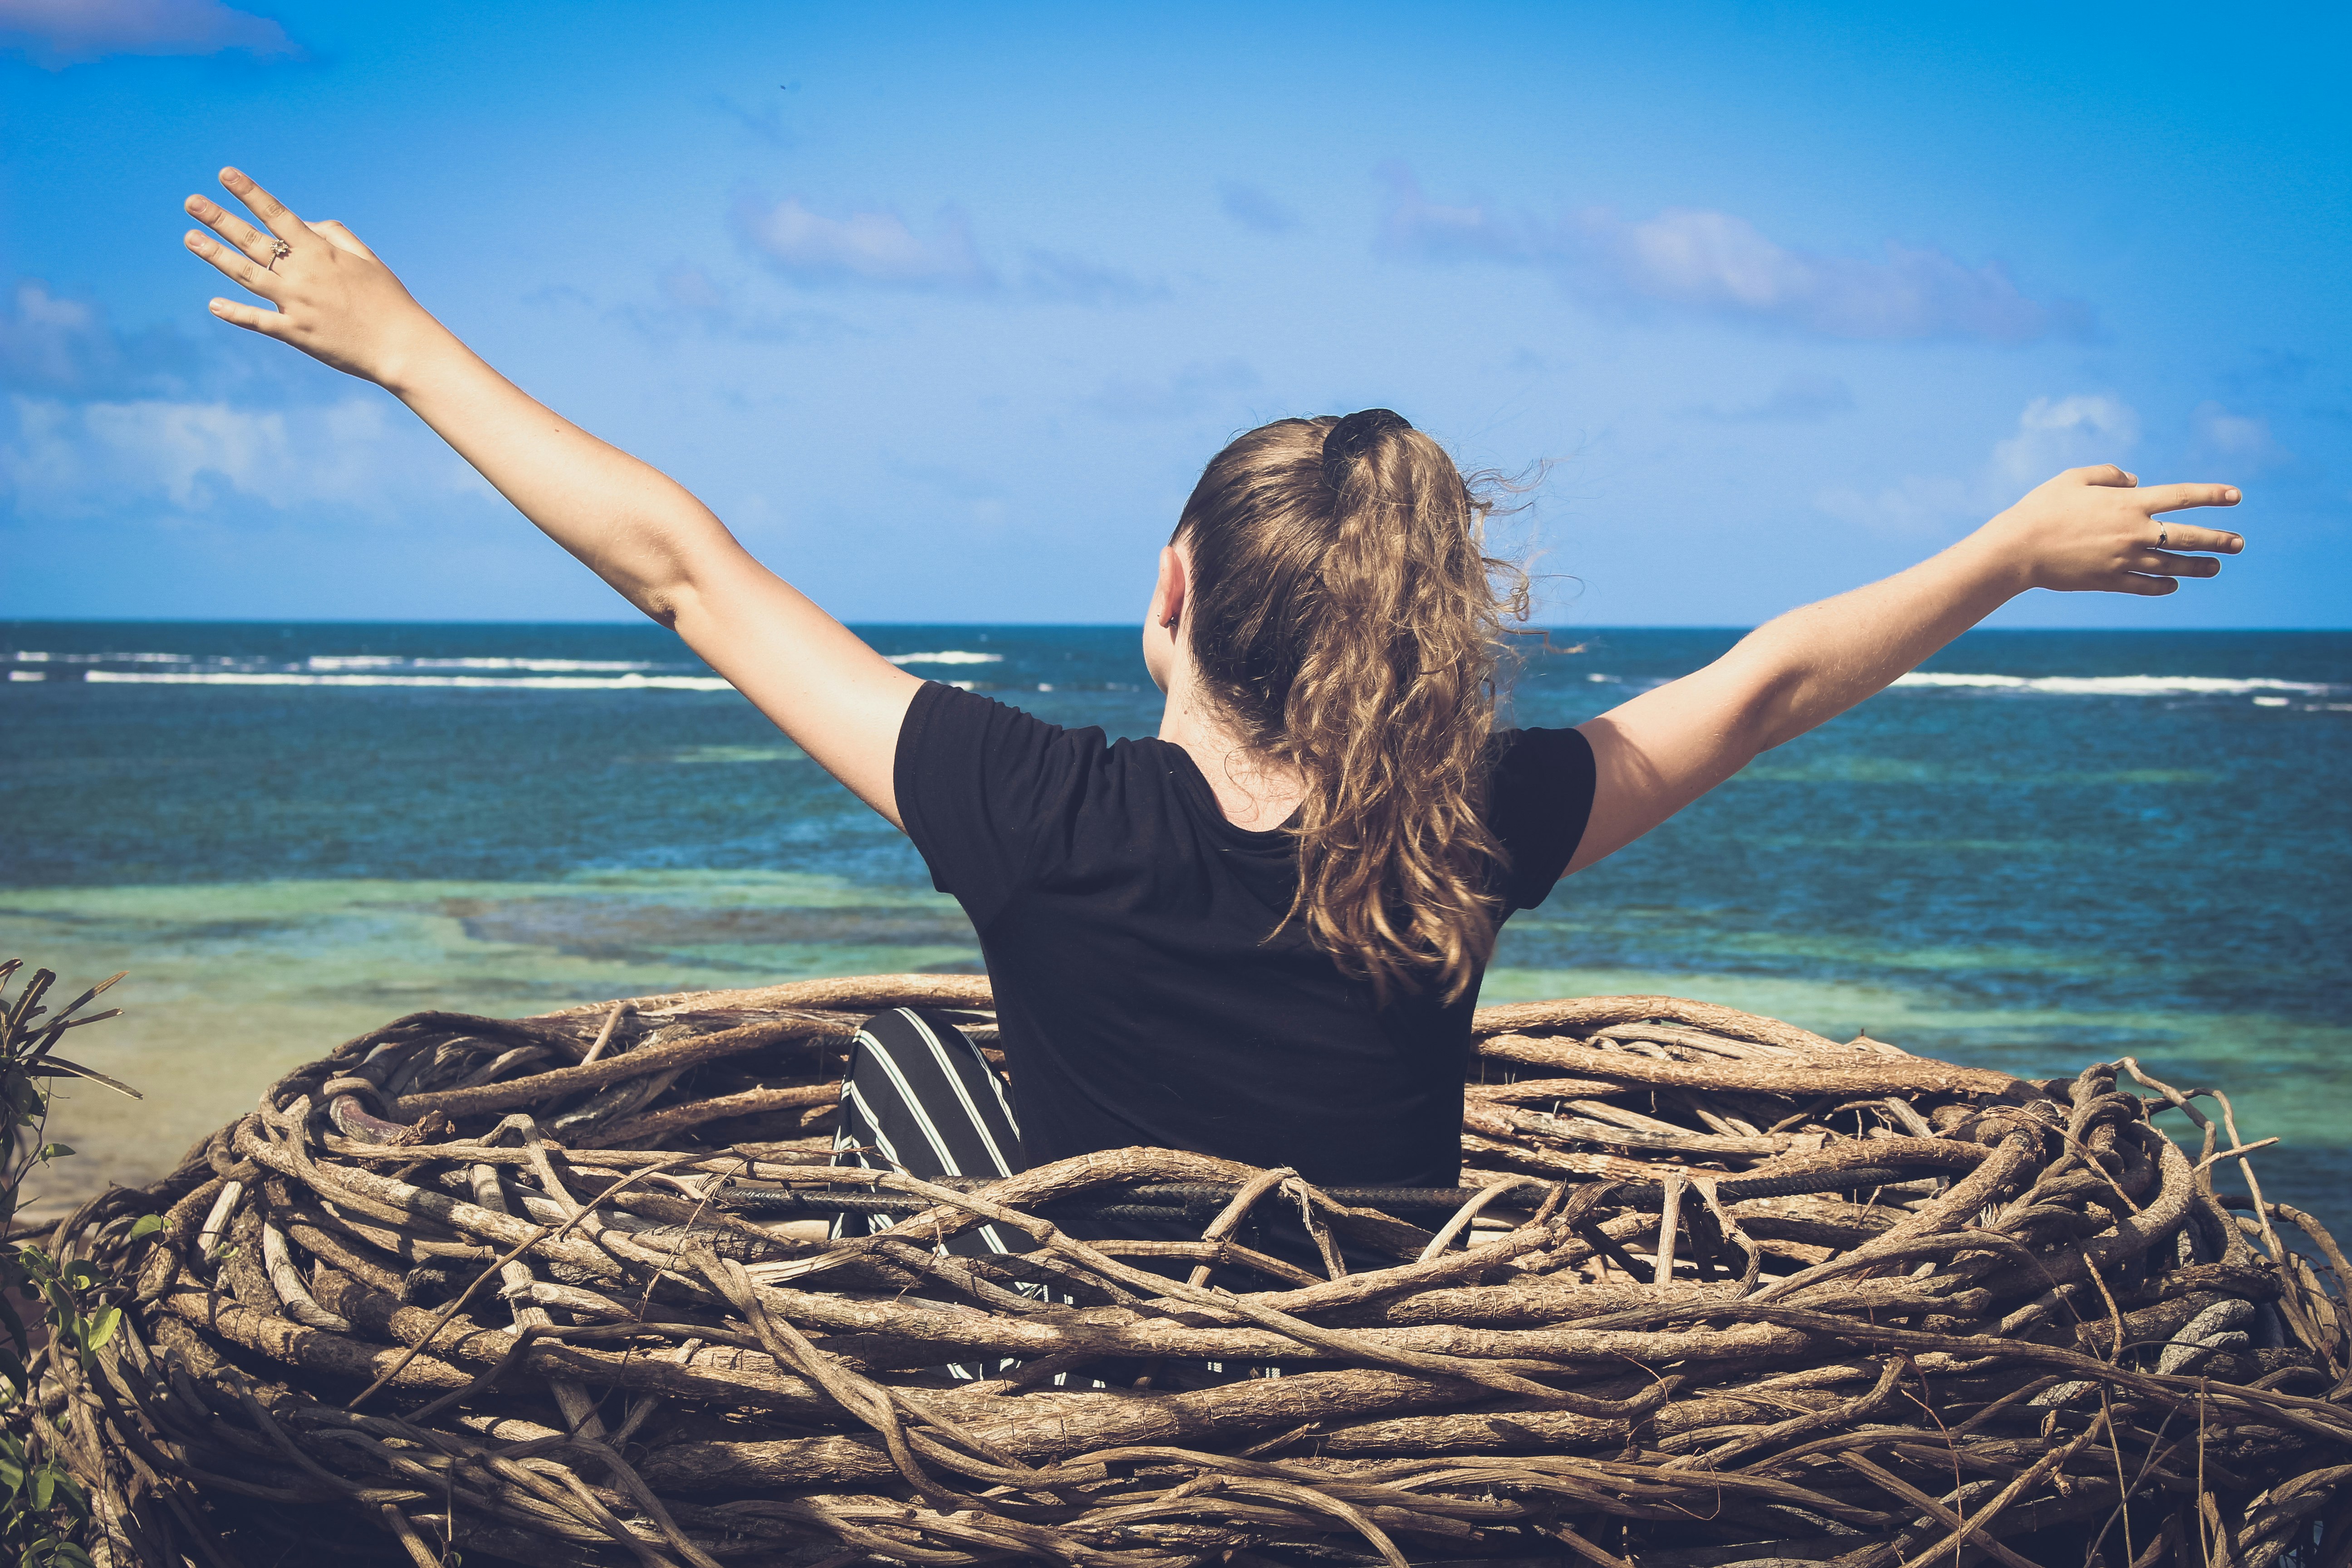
1346, 618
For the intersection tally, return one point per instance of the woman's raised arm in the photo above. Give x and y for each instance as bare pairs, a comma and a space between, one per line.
633, 526
2089, 530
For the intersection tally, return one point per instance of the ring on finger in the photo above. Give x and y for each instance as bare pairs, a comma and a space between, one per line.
2162, 539
280, 250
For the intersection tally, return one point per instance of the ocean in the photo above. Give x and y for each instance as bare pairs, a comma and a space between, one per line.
2045, 848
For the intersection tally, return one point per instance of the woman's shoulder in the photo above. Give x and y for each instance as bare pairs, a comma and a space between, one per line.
954, 707
957, 730
1538, 797
1538, 751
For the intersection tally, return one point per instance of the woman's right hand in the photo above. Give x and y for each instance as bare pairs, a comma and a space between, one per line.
329, 296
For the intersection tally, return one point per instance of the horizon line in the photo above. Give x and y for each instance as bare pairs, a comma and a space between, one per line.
1059, 626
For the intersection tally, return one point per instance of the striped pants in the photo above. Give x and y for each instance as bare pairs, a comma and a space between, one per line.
919, 1097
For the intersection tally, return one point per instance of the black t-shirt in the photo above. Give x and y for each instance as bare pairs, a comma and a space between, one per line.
1126, 925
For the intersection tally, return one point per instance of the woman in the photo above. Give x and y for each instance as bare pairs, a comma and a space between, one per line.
1260, 935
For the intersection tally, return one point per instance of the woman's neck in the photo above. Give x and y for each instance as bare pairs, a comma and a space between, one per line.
1253, 794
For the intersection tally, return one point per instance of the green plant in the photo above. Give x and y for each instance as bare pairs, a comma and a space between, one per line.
44, 1514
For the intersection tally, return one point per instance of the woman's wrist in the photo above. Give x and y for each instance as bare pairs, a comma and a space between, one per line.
2000, 556
419, 352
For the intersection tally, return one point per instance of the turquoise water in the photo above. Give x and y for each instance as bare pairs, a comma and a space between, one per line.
2055, 847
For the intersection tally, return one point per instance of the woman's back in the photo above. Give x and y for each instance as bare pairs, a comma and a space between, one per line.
1150, 990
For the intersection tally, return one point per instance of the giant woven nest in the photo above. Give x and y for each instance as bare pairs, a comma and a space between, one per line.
1716, 1291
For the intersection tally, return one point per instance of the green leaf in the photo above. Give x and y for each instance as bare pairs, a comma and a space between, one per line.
58, 1067
45, 1482
101, 1328
54, 1151
92, 995
146, 1224
12, 1473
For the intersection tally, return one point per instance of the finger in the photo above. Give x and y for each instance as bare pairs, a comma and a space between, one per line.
2148, 587
274, 214
2174, 498
233, 263
261, 247
2182, 536
252, 318
2103, 474
2163, 563
342, 238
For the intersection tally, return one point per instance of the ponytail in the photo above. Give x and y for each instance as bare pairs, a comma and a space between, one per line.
1344, 617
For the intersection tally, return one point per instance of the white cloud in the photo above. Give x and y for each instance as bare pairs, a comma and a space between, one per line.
55, 34
2052, 434
1720, 263
880, 250
2057, 434
66, 460
49, 344
873, 248
46, 341
181, 447
2244, 440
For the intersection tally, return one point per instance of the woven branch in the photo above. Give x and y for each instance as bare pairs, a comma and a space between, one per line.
1716, 1291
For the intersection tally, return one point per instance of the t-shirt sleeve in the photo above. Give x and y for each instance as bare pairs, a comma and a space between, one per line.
1542, 797
975, 782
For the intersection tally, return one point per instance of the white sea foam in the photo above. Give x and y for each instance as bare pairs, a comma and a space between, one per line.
34, 658
707, 756
550, 665
26, 675
474, 682
2114, 685
385, 661
951, 655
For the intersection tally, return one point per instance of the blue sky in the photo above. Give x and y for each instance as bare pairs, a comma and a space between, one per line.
942, 307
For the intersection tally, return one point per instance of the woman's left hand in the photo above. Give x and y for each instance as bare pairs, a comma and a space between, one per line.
331, 297
2094, 531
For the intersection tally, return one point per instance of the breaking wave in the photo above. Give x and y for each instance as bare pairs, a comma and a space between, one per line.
477, 682
2116, 685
